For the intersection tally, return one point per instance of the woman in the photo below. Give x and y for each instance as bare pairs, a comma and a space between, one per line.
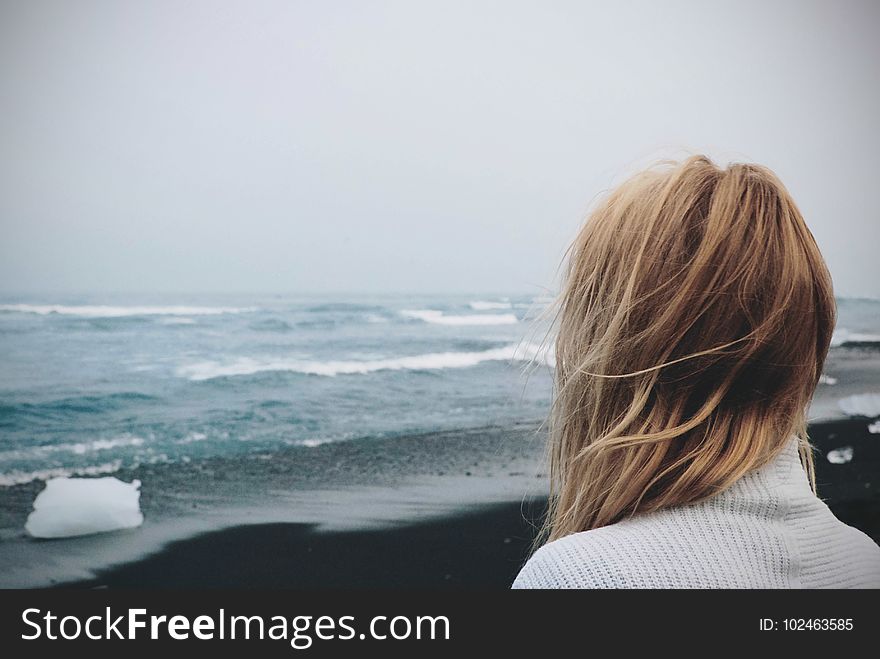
694, 321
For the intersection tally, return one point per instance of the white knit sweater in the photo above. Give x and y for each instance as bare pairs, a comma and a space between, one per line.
768, 530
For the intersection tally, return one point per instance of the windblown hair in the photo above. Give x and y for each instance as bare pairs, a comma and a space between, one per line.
693, 323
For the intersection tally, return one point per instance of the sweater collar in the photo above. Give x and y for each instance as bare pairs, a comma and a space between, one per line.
783, 471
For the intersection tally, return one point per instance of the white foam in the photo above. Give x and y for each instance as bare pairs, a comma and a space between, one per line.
874, 428
861, 404
104, 444
484, 305
432, 361
177, 320
20, 477
312, 443
439, 318
193, 437
70, 507
840, 455
827, 379
842, 335
78, 448
101, 311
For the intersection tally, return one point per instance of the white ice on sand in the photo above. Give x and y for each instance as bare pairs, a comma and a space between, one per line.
840, 455
82, 506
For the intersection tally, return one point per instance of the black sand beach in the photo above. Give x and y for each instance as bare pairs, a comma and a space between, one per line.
460, 491
479, 548
851, 489
453, 510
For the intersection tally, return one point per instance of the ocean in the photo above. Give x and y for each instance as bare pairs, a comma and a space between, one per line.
91, 385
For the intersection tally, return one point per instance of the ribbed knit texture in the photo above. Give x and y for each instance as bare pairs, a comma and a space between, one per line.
768, 530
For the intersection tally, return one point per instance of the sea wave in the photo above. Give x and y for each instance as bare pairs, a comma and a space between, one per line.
77, 448
19, 477
209, 370
89, 404
485, 305
312, 443
867, 404
177, 320
102, 311
439, 318
334, 307
843, 337
271, 325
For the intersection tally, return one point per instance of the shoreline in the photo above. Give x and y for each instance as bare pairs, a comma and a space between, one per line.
482, 547
223, 481
393, 512
358, 484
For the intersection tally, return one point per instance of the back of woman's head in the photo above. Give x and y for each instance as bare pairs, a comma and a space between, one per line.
693, 324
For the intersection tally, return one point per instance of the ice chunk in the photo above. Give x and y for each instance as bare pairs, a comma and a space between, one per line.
82, 506
840, 455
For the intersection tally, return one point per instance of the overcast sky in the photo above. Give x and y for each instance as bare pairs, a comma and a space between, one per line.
405, 146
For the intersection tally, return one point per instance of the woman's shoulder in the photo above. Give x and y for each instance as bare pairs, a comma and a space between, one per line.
682, 547
589, 559
696, 547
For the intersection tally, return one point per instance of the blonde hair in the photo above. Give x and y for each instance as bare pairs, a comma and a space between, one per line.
691, 331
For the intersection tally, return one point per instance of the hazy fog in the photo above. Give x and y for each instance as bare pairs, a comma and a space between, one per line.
405, 146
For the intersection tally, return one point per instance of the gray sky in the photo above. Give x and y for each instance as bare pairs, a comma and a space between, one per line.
405, 146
